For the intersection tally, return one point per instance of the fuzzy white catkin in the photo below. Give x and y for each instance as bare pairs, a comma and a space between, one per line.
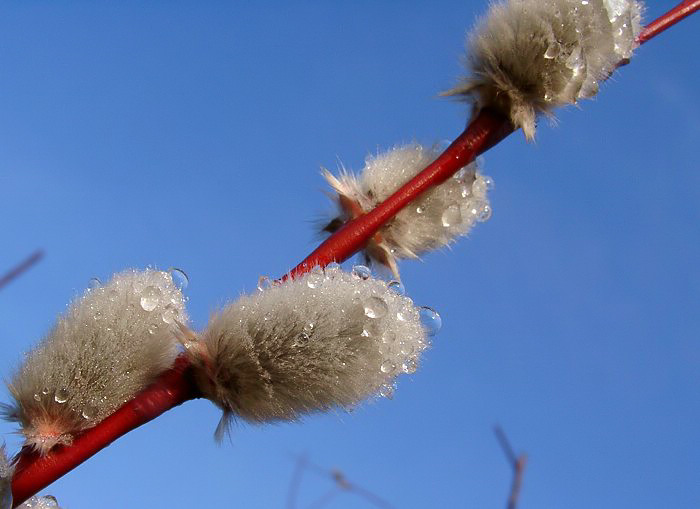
5, 480
434, 220
47, 502
110, 344
326, 339
527, 57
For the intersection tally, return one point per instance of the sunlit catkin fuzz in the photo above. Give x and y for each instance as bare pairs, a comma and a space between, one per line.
5, 480
324, 340
434, 220
110, 344
527, 57
46, 502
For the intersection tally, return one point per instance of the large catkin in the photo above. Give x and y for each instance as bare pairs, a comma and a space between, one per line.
527, 57
327, 339
110, 344
434, 220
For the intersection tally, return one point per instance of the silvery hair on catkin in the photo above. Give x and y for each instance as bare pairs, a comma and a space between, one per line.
527, 57
324, 340
111, 343
434, 220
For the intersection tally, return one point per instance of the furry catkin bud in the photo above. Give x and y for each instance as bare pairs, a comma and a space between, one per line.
47, 502
326, 339
432, 221
527, 57
111, 343
5, 480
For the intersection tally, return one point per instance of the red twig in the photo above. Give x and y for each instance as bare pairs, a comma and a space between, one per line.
34, 473
25, 265
668, 20
175, 386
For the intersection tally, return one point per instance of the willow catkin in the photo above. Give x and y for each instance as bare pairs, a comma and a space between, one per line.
527, 57
434, 220
110, 344
324, 340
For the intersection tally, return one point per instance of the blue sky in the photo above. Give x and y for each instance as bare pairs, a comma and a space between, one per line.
191, 134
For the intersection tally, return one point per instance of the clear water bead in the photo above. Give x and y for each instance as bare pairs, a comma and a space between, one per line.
94, 283
552, 51
410, 366
397, 287
170, 314
375, 307
179, 277
387, 391
420, 210
314, 280
61, 396
150, 297
264, 283
452, 216
387, 366
332, 266
361, 271
431, 321
89, 412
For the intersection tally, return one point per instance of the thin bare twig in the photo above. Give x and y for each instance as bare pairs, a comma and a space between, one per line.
517, 462
21, 268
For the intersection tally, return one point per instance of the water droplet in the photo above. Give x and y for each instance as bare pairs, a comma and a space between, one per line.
309, 326
387, 366
89, 412
479, 187
375, 307
485, 213
264, 283
150, 298
170, 314
37, 397
452, 216
420, 210
409, 366
365, 333
48, 502
387, 391
333, 266
45, 391
314, 280
179, 277
153, 328
361, 271
465, 191
490, 183
388, 337
406, 348
61, 396
301, 339
94, 283
397, 287
431, 321
552, 51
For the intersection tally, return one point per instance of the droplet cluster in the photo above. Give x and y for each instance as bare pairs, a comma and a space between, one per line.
434, 220
530, 56
110, 344
46, 502
5, 480
328, 338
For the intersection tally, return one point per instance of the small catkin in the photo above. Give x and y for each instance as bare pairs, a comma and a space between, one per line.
527, 57
46, 502
111, 343
434, 220
6, 471
326, 339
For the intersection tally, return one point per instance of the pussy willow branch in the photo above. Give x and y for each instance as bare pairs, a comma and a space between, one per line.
174, 387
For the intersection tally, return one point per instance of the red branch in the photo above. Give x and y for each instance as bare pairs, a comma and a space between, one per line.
174, 387
668, 20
